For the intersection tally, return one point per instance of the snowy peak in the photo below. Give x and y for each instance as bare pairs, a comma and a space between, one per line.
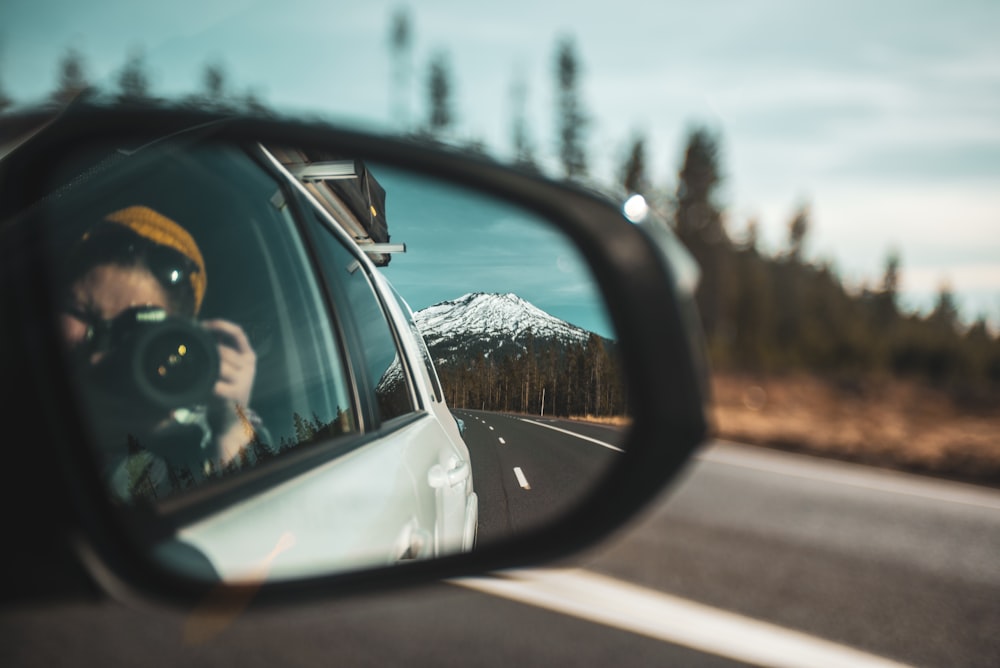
492, 320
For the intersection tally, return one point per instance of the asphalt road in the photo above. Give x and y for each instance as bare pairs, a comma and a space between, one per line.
529, 470
898, 565
892, 565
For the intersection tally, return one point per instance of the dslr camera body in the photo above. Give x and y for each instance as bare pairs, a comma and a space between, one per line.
152, 362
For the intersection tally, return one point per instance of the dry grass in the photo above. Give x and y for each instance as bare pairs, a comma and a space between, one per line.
888, 423
613, 420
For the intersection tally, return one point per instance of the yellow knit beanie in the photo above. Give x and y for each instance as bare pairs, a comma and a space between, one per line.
161, 230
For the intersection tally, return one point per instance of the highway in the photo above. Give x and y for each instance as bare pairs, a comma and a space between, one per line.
901, 566
753, 557
898, 565
528, 469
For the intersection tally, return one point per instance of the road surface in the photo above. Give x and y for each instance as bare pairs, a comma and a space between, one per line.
527, 469
753, 557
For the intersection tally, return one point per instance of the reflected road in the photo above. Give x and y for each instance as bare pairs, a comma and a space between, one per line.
526, 469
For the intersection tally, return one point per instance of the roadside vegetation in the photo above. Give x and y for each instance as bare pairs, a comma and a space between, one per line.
548, 378
889, 422
800, 360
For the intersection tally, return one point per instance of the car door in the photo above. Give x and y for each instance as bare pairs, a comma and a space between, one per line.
343, 471
400, 387
456, 499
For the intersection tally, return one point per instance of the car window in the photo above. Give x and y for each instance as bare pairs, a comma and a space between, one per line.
425, 353
386, 384
258, 282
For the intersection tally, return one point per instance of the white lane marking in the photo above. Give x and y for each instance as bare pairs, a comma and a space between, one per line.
651, 613
854, 475
502, 442
521, 480
580, 436
491, 428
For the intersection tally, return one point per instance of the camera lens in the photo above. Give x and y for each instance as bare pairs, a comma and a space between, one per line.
154, 362
174, 363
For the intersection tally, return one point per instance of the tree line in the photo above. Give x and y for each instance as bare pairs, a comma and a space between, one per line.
762, 312
547, 378
779, 313
133, 86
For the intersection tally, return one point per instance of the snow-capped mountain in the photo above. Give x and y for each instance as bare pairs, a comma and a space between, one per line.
489, 324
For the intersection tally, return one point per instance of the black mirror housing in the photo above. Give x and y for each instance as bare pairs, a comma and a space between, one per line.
69, 539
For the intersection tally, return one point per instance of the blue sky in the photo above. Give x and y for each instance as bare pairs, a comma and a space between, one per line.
883, 117
459, 242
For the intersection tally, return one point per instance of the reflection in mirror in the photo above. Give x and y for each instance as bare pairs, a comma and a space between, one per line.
520, 339
294, 364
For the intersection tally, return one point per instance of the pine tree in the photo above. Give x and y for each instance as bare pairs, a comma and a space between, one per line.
571, 118
214, 83
890, 278
440, 91
5, 100
133, 82
633, 173
884, 300
72, 79
305, 432
945, 313
751, 236
524, 150
798, 228
400, 45
698, 222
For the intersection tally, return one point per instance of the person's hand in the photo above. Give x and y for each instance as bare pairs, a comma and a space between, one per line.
237, 362
237, 369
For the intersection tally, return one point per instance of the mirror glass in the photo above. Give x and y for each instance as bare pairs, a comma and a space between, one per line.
292, 362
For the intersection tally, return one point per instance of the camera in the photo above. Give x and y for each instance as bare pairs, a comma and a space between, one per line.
150, 359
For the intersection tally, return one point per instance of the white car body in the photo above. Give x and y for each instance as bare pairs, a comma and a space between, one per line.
349, 514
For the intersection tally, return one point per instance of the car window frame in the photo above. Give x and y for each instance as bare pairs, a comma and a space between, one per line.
436, 391
348, 328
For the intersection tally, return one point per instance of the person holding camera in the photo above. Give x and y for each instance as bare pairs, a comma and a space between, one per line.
168, 396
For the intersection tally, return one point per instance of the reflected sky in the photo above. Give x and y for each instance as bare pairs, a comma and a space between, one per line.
459, 242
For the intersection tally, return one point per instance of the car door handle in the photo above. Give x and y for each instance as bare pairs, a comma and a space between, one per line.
418, 542
439, 476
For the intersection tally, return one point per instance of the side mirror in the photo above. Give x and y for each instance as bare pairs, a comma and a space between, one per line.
301, 360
